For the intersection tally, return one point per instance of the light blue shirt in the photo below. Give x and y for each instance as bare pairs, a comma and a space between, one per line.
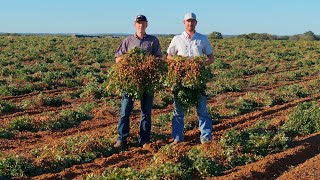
198, 45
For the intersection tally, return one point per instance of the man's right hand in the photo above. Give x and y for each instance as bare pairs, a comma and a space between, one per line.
119, 59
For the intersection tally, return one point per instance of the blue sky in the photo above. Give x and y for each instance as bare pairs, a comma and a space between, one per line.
230, 17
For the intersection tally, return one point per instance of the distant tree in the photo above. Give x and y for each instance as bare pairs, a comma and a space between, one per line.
308, 36
215, 35
12, 34
243, 36
283, 37
170, 35
258, 36
294, 37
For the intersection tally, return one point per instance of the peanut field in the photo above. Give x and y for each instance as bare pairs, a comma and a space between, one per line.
59, 121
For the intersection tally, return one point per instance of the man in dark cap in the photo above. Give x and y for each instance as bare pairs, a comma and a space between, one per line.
151, 45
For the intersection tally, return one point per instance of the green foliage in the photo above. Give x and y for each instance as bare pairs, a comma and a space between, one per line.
307, 36
87, 107
3, 81
304, 119
289, 93
246, 105
66, 119
235, 159
204, 167
262, 99
93, 90
15, 91
116, 173
220, 64
72, 82
55, 101
221, 85
215, 35
73, 150
166, 98
162, 122
190, 122
166, 170
214, 113
5, 133
14, 166
262, 142
114, 103
6, 107
247, 146
258, 36
22, 123
26, 103
242, 105
168, 151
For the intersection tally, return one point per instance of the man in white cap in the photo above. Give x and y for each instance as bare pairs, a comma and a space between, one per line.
190, 44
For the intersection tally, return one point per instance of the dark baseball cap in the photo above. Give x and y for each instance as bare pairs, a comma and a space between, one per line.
140, 18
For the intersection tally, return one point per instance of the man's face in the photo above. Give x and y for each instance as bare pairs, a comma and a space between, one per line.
141, 26
190, 24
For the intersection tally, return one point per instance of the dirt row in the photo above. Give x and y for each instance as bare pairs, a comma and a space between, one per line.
136, 157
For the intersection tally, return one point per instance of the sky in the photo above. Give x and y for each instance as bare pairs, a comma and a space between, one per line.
230, 17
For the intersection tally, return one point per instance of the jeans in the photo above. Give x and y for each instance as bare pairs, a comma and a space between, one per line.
205, 121
145, 120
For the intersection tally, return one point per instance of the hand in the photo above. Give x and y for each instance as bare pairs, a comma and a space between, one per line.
119, 59
205, 62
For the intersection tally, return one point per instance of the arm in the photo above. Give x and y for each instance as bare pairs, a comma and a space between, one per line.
157, 49
122, 49
209, 52
171, 51
209, 61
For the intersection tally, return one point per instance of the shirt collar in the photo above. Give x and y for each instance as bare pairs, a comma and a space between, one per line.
186, 35
135, 35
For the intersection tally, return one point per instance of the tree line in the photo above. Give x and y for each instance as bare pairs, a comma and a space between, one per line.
307, 36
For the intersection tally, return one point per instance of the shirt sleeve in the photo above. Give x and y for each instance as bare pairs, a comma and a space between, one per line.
207, 47
122, 49
172, 50
157, 49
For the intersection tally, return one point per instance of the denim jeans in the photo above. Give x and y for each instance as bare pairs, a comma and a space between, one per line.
145, 120
205, 121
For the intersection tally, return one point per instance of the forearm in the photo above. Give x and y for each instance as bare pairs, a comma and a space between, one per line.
209, 60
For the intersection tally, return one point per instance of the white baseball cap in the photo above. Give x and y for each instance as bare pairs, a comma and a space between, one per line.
190, 15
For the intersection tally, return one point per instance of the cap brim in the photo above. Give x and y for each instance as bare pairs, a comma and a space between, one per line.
139, 20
